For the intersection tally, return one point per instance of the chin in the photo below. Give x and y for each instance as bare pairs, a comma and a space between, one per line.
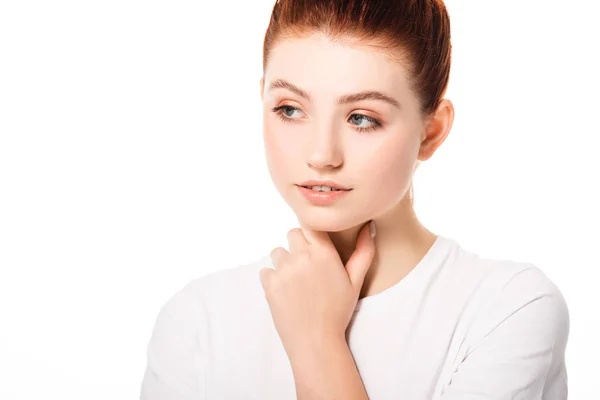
327, 220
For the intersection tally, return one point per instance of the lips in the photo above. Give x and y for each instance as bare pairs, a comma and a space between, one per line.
323, 198
328, 183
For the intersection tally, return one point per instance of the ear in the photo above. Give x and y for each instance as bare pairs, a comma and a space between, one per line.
437, 129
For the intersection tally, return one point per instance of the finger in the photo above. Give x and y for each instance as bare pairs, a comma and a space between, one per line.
360, 261
265, 276
316, 237
278, 256
296, 240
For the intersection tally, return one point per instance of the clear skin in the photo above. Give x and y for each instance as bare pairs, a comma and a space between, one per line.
320, 141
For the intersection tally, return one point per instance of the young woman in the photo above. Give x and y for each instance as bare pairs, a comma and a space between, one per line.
353, 101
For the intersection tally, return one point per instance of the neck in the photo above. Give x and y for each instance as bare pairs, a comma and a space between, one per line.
400, 243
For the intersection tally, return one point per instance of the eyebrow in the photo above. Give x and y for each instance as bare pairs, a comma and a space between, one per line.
345, 99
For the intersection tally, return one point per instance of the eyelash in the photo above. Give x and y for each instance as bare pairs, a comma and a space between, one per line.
277, 110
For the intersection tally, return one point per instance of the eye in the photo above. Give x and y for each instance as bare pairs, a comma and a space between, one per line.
375, 124
285, 113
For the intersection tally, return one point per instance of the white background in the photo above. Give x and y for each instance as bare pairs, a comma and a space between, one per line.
131, 161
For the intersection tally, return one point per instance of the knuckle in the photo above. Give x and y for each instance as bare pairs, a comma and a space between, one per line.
292, 232
279, 255
277, 251
266, 278
273, 252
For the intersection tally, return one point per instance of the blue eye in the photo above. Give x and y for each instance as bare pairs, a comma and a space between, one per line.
376, 124
284, 114
285, 109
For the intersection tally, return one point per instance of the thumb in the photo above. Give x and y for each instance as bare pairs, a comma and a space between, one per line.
360, 260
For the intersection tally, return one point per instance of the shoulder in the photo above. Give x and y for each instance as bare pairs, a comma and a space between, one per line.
514, 325
526, 289
232, 289
509, 295
499, 279
203, 313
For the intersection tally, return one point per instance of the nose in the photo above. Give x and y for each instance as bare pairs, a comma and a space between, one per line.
324, 150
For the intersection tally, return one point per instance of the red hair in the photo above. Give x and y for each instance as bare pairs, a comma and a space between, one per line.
414, 31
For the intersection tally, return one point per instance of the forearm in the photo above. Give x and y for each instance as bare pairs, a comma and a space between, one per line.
327, 372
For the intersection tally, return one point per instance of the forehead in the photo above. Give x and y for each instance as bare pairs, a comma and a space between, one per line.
320, 64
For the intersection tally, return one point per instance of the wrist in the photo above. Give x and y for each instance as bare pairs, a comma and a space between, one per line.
314, 352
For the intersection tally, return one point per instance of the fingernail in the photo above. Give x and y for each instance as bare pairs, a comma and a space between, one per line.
372, 229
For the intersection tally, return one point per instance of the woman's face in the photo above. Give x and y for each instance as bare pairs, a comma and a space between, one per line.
369, 145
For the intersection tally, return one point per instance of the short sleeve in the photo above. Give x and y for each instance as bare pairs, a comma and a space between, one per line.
520, 351
177, 352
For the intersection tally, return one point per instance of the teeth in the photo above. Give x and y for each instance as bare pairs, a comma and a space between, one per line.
322, 188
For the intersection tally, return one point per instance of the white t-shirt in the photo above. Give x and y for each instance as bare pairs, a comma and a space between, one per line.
457, 327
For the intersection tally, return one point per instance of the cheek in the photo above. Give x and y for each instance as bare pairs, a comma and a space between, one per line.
278, 155
388, 171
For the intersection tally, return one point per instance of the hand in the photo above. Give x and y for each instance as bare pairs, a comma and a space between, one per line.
311, 294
